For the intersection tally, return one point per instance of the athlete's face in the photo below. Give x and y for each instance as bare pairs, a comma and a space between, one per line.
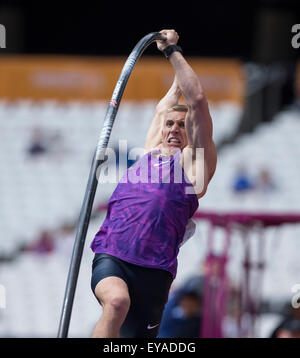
173, 133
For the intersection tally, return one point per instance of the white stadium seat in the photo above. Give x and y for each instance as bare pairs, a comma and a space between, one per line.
47, 191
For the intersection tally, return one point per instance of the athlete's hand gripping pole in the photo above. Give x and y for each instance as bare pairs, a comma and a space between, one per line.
98, 159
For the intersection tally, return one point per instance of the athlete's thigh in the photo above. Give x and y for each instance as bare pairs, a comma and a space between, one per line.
108, 279
144, 317
148, 298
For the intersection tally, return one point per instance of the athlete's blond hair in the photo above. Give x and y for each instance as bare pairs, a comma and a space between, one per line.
178, 108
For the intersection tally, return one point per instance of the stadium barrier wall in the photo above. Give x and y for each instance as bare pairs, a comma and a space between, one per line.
66, 78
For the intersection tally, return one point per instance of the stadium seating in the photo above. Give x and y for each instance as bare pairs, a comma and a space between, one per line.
46, 191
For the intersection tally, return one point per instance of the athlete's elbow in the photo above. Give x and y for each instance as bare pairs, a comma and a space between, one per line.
197, 101
201, 192
160, 109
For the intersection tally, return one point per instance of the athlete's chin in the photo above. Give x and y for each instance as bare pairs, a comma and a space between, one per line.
175, 145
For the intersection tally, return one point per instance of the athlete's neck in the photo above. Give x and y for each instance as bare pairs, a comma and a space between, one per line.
166, 151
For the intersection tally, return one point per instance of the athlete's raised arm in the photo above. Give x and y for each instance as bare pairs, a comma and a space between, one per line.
198, 122
153, 138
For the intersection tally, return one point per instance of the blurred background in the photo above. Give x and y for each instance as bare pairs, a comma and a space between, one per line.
239, 274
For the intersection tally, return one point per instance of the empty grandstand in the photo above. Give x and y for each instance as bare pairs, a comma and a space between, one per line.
46, 150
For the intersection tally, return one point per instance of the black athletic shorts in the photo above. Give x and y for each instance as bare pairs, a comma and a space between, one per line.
148, 289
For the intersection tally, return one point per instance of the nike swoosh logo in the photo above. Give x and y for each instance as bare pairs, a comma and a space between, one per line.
151, 327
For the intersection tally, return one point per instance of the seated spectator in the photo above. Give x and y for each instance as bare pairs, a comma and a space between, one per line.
242, 182
43, 245
264, 182
47, 142
37, 144
182, 313
289, 326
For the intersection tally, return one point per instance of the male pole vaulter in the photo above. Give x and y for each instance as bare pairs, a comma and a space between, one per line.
137, 245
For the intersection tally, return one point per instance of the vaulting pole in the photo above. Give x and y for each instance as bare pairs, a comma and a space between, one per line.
98, 160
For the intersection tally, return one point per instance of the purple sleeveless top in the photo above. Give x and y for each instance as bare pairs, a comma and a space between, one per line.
147, 214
